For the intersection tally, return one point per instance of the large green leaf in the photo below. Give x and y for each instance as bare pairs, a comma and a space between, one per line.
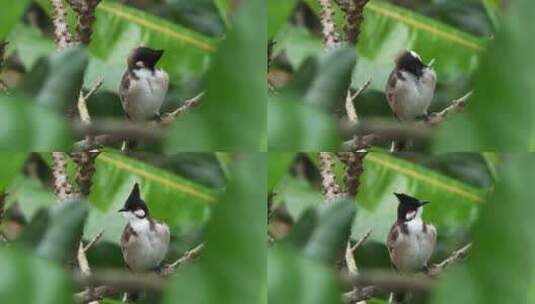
500, 268
30, 127
386, 30
501, 114
233, 265
180, 203
119, 28
297, 279
30, 44
233, 113
28, 279
10, 14
11, 164
294, 126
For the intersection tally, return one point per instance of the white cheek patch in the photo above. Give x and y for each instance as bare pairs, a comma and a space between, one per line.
140, 64
139, 213
410, 215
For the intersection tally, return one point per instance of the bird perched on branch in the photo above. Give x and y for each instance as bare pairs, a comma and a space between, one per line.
144, 241
410, 89
411, 241
143, 86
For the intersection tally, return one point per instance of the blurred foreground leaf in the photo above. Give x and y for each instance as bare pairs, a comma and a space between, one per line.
500, 268
501, 114
233, 265
232, 115
10, 14
11, 164
64, 230
30, 127
29, 279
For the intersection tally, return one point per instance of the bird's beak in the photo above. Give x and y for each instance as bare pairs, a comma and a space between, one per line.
122, 210
424, 203
431, 62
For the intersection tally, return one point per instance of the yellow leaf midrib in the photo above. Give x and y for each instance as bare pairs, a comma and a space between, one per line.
114, 10
425, 178
423, 26
156, 178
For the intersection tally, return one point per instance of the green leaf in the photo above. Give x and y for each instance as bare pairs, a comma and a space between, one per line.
233, 112
10, 14
30, 44
387, 29
303, 229
11, 164
28, 279
297, 279
223, 274
500, 267
290, 127
493, 10
501, 113
331, 233
278, 166
31, 127
55, 82
278, 11
64, 231
180, 203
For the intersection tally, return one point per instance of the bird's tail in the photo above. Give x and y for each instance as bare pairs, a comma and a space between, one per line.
396, 297
401, 145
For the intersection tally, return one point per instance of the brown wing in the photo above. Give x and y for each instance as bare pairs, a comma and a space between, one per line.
124, 89
390, 90
393, 237
126, 238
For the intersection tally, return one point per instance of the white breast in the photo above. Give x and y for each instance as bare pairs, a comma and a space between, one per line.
149, 90
415, 94
417, 247
150, 246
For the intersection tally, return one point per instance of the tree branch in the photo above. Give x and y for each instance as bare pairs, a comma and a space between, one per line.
376, 283
331, 189
61, 31
330, 35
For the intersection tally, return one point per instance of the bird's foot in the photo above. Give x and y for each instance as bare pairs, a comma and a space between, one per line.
158, 117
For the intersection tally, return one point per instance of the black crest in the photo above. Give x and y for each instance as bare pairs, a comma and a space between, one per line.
407, 204
146, 55
134, 201
407, 61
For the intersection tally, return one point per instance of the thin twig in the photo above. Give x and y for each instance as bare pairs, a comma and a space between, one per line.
456, 256
120, 129
82, 101
93, 241
457, 105
169, 118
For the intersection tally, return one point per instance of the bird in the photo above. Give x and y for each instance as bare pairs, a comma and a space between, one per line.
411, 241
143, 87
410, 89
144, 242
